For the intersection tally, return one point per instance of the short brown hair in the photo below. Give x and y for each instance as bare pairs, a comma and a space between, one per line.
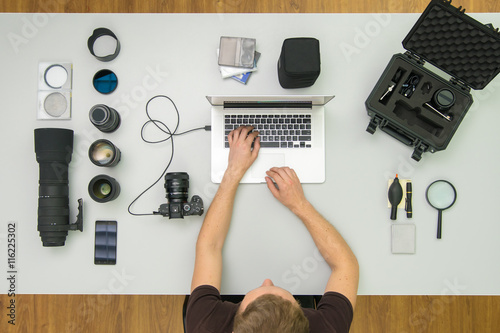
271, 313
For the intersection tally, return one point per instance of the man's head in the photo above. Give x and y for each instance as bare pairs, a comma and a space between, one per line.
270, 309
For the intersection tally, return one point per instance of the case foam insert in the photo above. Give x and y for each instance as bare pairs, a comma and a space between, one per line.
457, 44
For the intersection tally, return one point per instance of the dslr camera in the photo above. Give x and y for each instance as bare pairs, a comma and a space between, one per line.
178, 206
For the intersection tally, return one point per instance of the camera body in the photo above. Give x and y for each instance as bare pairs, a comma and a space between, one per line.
178, 206
176, 210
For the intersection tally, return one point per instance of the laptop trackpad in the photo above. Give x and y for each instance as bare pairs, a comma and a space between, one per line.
265, 162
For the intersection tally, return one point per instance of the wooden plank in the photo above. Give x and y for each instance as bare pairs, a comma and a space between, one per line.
237, 6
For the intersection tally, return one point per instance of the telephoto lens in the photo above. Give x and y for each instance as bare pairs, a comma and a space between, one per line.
104, 153
103, 117
53, 149
103, 188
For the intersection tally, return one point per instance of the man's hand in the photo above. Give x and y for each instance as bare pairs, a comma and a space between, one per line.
241, 154
286, 188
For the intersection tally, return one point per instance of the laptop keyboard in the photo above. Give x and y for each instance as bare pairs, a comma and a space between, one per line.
275, 130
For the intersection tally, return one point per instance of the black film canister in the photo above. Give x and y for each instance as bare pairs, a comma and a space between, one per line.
104, 153
103, 188
103, 117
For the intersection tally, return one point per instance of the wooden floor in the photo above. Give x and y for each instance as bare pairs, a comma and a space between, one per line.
119, 313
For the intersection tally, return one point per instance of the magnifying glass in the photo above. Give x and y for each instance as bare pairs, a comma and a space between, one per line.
441, 195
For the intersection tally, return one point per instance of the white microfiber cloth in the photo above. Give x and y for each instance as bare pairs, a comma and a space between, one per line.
403, 238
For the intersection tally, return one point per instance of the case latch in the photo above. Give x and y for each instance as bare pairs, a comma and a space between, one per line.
418, 151
372, 126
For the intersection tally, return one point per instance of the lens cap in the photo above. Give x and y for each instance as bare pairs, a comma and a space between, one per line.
105, 81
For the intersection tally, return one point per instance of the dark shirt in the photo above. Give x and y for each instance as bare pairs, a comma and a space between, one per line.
207, 313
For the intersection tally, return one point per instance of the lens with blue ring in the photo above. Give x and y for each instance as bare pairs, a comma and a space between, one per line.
105, 81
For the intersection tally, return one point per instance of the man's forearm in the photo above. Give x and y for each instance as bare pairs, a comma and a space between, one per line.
328, 240
213, 232
218, 218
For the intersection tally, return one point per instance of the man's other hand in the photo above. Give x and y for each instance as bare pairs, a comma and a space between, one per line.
241, 153
285, 186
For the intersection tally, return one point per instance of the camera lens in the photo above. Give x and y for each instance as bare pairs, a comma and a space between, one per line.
103, 117
177, 186
103, 188
443, 99
53, 148
103, 153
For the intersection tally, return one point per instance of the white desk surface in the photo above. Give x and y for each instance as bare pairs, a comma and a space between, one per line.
175, 55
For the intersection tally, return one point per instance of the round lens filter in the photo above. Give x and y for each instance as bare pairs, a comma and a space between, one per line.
105, 81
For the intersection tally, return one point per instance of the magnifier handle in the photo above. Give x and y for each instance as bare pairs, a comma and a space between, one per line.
440, 219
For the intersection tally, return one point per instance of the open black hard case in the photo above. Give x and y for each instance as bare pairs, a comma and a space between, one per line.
416, 105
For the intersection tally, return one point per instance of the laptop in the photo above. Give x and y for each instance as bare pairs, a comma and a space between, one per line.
292, 131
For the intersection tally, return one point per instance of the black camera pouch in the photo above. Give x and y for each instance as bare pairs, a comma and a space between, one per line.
419, 107
299, 62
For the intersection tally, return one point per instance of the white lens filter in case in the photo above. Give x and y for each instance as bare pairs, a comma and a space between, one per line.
54, 90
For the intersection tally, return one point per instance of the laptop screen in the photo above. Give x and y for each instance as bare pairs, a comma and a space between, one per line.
261, 101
